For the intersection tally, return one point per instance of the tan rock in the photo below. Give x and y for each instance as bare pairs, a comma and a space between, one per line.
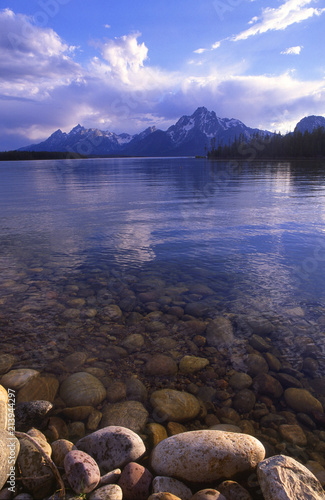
82, 389
293, 434
39, 389
192, 364
302, 401
174, 405
16, 379
157, 433
206, 455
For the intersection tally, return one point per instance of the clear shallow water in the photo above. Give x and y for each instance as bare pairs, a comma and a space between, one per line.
252, 233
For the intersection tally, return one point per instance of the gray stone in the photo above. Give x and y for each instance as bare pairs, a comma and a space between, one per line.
206, 455
220, 332
31, 414
112, 447
283, 478
129, 414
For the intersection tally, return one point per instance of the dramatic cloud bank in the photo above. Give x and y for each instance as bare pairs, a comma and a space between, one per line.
43, 88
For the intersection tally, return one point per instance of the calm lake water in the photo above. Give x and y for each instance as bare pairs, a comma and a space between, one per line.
253, 234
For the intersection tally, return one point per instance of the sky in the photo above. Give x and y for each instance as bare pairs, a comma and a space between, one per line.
127, 65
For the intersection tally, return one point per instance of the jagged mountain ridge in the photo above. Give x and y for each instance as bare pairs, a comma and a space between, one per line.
191, 135
310, 123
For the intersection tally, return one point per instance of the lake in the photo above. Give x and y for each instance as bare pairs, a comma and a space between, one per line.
159, 239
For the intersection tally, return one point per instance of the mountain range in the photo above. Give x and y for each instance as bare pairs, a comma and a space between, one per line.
191, 135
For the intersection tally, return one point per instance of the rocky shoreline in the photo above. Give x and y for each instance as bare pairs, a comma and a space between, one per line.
165, 435
160, 363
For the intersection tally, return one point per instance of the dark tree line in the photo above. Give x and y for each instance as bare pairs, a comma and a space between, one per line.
37, 155
273, 146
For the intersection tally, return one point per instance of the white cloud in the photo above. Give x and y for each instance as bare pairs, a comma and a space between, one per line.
33, 59
42, 88
274, 19
200, 51
124, 55
292, 50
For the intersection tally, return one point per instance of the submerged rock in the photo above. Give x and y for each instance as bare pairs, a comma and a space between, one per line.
82, 389
174, 405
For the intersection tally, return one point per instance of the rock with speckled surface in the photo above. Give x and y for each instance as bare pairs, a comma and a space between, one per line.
112, 447
206, 455
82, 471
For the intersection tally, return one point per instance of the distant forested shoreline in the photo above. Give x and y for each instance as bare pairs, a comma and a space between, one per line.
38, 155
296, 145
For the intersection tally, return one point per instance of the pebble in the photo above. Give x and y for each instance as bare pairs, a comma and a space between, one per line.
31, 414
164, 483
192, 364
60, 449
112, 447
16, 379
208, 494
163, 496
206, 455
133, 342
232, 490
161, 365
82, 389
38, 388
239, 381
283, 478
156, 432
82, 471
109, 492
135, 482
219, 332
256, 364
129, 414
6, 362
293, 434
301, 400
9, 449
40, 480
177, 406
3, 409
268, 385
244, 401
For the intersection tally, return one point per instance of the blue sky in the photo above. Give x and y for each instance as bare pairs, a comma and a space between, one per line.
123, 66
